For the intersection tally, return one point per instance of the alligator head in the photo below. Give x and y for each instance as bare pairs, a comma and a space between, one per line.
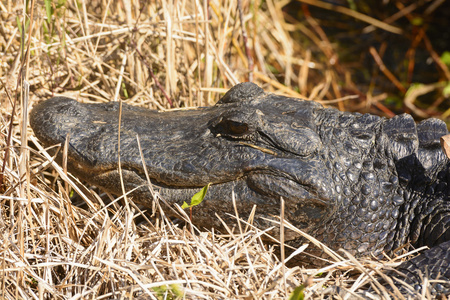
336, 171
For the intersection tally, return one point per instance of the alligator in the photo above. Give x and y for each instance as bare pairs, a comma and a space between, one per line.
360, 182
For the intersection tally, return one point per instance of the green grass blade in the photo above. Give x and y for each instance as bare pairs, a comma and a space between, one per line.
48, 10
197, 198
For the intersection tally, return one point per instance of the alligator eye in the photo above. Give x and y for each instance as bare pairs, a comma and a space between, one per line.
232, 128
237, 127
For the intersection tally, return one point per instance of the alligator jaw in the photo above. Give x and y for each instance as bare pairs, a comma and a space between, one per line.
303, 208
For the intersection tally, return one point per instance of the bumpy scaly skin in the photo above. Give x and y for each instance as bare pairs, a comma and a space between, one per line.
359, 182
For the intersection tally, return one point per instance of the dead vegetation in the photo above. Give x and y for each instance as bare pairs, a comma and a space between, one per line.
158, 54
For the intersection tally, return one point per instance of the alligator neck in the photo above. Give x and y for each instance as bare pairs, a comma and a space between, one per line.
390, 177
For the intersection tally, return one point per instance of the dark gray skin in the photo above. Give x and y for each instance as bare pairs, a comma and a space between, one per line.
363, 183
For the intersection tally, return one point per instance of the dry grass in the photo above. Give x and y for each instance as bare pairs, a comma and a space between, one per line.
160, 55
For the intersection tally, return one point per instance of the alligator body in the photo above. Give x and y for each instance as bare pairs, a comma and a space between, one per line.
363, 183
